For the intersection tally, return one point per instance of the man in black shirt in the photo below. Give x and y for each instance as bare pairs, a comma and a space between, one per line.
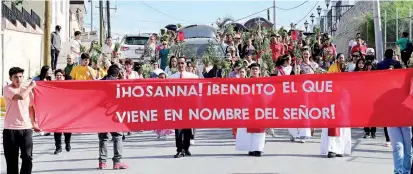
113, 74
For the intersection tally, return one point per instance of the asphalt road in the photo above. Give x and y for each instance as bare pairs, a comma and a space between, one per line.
213, 153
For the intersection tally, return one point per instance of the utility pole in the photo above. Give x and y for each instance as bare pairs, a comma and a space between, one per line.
47, 33
275, 16
91, 15
101, 22
108, 16
377, 30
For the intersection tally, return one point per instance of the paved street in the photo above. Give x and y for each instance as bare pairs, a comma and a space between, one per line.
213, 153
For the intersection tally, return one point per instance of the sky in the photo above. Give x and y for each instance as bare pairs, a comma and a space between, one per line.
150, 16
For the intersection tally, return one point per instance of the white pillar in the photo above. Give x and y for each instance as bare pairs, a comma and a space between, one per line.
377, 29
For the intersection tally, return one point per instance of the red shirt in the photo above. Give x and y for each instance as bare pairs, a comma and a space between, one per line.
277, 50
361, 48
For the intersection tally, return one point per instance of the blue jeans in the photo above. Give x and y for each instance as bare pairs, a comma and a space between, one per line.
401, 142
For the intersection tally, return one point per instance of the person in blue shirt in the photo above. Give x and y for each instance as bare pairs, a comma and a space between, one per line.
388, 61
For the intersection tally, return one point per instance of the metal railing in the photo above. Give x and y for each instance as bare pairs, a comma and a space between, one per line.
37, 20
18, 14
28, 17
13, 15
8, 14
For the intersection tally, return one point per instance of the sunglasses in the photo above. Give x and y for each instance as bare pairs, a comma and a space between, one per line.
355, 55
182, 63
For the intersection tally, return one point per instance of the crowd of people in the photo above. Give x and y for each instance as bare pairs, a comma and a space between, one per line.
320, 57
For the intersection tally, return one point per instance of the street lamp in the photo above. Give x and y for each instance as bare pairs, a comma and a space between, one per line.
306, 25
312, 18
328, 3
319, 11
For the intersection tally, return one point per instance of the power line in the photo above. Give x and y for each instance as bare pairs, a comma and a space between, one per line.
271, 8
170, 16
253, 14
308, 13
292, 7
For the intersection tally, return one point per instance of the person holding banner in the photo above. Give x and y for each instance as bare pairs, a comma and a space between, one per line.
18, 123
336, 142
59, 75
242, 73
400, 137
163, 133
183, 136
251, 139
113, 74
283, 67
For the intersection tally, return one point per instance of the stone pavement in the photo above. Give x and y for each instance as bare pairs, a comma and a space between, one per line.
213, 153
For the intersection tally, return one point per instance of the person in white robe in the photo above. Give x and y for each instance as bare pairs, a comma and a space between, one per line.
283, 67
251, 140
336, 142
336, 145
183, 136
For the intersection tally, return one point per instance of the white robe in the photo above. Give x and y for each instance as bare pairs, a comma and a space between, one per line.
339, 145
249, 142
300, 132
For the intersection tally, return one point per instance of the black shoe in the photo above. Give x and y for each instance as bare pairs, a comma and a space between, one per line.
187, 153
367, 135
373, 135
251, 153
57, 151
331, 155
123, 137
179, 155
129, 133
339, 155
47, 134
258, 154
68, 148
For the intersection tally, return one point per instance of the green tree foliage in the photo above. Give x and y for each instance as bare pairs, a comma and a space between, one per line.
367, 25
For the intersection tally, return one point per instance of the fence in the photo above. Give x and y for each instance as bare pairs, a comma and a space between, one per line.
393, 25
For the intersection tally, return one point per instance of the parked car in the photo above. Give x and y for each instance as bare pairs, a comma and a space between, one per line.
132, 46
198, 31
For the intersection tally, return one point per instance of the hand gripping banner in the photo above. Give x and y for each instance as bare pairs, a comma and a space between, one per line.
358, 99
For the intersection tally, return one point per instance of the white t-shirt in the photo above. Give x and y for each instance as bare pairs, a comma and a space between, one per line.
133, 75
185, 75
287, 70
108, 49
352, 43
76, 45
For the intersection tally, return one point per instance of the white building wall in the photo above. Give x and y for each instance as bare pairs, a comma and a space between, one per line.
24, 48
27, 57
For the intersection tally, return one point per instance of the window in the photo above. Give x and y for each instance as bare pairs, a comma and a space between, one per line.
136, 40
61, 6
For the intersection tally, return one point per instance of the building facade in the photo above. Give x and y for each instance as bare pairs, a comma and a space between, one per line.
22, 34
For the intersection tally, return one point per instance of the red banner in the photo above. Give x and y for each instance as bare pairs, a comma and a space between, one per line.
359, 99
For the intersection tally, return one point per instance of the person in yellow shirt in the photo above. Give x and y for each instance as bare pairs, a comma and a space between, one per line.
83, 71
339, 65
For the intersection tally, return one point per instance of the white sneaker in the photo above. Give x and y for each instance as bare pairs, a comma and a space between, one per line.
387, 144
192, 142
41, 133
